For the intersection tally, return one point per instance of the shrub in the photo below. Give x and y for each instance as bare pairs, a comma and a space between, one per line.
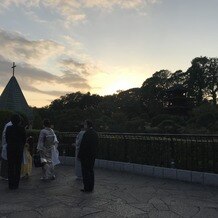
180, 120
206, 120
169, 126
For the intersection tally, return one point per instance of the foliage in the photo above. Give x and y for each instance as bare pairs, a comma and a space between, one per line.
145, 109
169, 126
4, 118
162, 117
204, 119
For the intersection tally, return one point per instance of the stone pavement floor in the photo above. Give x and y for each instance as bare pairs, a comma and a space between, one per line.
116, 194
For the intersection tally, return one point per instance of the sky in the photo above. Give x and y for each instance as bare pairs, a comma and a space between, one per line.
100, 46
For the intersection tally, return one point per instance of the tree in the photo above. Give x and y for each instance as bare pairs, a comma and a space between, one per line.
212, 79
197, 79
37, 121
129, 102
108, 105
178, 78
89, 101
153, 92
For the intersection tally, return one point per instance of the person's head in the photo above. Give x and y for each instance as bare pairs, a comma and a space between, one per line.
88, 124
81, 126
15, 119
30, 140
46, 123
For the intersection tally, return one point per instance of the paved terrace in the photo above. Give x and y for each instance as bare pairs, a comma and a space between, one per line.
116, 195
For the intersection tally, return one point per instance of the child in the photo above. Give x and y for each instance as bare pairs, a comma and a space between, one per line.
26, 167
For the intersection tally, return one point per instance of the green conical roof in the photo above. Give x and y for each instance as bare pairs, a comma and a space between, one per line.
13, 99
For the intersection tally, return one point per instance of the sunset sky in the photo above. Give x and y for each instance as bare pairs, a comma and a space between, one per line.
100, 46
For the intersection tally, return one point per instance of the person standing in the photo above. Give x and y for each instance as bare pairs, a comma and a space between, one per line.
79, 137
15, 138
26, 166
46, 142
4, 161
54, 152
87, 154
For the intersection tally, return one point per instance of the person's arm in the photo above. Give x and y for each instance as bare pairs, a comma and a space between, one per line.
7, 138
3, 136
80, 137
83, 146
56, 142
24, 136
40, 145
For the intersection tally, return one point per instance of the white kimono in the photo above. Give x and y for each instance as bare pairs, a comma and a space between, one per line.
4, 162
55, 152
47, 147
4, 144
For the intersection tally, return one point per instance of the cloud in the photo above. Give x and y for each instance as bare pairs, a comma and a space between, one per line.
26, 74
33, 89
125, 4
109, 4
33, 60
75, 66
72, 11
38, 53
30, 78
17, 47
74, 80
74, 73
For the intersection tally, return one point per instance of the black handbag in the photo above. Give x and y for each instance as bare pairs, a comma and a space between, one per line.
37, 160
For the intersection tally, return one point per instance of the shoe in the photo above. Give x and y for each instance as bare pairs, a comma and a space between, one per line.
53, 177
5, 179
13, 188
79, 178
25, 176
43, 178
86, 191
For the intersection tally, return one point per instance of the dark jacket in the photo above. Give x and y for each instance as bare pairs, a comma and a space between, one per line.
89, 143
15, 138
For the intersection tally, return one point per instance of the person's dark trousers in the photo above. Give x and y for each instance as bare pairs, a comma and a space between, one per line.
4, 169
88, 174
14, 168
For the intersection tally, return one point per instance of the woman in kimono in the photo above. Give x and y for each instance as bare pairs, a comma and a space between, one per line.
79, 137
4, 160
26, 167
46, 145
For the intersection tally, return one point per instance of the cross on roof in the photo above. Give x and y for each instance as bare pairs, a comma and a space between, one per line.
13, 67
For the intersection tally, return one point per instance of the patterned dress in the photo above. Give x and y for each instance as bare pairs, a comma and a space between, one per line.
26, 167
46, 144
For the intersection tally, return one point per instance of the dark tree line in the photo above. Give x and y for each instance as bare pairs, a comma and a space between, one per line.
144, 109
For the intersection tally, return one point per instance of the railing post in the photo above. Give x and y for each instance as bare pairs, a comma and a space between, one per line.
126, 157
215, 158
172, 161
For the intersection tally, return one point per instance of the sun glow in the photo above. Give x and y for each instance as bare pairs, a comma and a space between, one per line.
111, 80
122, 84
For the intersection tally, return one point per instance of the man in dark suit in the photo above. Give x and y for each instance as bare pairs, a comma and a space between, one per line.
15, 138
87, 154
